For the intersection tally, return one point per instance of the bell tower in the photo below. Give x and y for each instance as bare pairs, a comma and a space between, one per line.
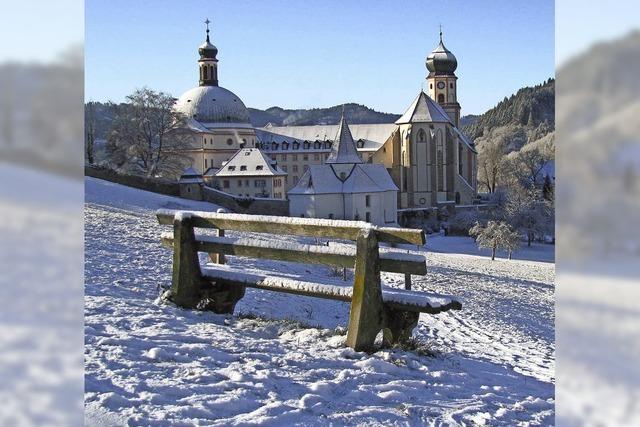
208, 63
442, 80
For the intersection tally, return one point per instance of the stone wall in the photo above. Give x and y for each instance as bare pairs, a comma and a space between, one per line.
256, 206
169, 188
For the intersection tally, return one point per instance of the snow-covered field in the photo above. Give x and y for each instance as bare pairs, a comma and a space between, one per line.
149, 363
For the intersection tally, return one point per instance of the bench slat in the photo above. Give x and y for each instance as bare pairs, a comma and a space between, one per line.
395, 298
344, 256
313, 227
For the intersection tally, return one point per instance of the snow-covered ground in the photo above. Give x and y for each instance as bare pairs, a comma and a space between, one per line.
149, 363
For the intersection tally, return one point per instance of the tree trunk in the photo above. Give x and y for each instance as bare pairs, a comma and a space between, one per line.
493, 253
509, 254
529, 239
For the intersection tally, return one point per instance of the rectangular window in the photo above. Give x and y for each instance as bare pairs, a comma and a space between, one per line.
316, 156
305, 157
367, 201
239, 183
295, 178
225, 183
205, 163
330, 216
295, 168
284, 168
368, 216
295, 156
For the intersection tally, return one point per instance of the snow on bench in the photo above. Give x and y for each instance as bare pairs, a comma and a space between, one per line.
343, 255
396, 298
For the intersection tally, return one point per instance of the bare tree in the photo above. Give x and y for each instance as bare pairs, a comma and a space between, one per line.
90, 124
496, 235
529, 212
147, 136
491, 163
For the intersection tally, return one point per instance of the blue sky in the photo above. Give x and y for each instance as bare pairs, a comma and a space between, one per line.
298, 54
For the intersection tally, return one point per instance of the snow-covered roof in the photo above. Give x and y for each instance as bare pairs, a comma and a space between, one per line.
343, 149
364, 178
423, 109
249, 162
464, 139
368, 137
190, 176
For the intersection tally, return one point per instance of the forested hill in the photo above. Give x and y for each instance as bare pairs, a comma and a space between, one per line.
354, 113
529, 114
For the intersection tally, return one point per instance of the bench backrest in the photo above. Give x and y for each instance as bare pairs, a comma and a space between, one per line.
312, 227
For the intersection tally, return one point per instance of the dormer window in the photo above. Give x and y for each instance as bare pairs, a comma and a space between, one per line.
307, 145
285, 145
243, 168
259, 167
274, 145
296, 145
232, 168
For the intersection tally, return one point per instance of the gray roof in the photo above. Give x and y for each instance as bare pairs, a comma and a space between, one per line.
372, 136
213, 106
190, 176
249, 162
423, 109
364, 178
344, 149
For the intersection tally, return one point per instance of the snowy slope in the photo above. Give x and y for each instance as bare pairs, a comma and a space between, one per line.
149, 363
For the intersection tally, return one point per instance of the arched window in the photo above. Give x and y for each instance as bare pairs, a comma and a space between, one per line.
440, 163
421, 135
206, 76
441, 98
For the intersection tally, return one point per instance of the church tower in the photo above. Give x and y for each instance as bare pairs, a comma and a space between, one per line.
442, 81
208, 62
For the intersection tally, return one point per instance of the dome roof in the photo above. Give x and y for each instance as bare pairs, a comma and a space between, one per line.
441, 60
213, 104
207, 50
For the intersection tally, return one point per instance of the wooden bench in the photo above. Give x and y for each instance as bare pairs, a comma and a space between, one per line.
218, 287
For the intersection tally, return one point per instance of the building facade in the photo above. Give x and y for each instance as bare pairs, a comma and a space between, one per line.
429, 159
249, 173
217, 119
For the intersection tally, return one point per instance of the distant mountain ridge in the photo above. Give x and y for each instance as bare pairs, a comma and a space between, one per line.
532, 108
354, 113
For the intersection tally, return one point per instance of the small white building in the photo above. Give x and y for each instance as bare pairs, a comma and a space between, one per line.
345, 187
249, 173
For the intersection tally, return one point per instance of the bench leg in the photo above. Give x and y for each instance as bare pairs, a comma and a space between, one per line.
221, 298
399, 325
365, 317
186, 280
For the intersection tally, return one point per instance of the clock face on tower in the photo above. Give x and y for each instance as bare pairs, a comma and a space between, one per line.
441, 85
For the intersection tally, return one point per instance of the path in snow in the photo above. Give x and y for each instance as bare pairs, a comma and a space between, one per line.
154, 364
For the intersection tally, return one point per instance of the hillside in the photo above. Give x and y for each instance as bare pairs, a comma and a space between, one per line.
491, 363
355, 113
525, 116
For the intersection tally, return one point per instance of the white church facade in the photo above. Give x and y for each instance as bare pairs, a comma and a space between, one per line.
430, 161
345, 187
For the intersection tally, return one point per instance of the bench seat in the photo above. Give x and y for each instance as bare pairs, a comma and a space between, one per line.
395, 298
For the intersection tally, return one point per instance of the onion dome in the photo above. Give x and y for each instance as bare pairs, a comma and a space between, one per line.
441, 60
206, 49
